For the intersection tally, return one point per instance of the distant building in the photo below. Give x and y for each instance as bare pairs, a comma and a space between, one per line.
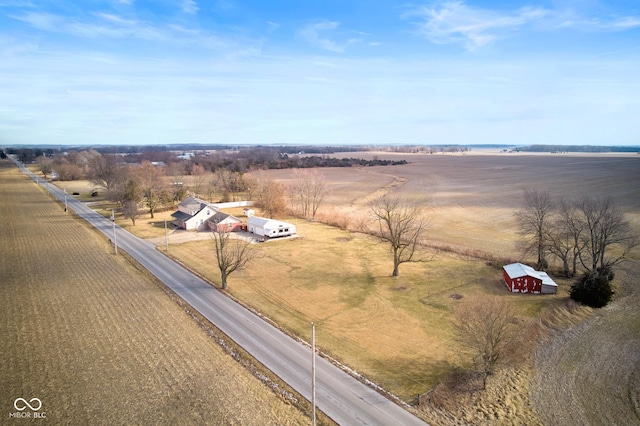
521, 278
269, 227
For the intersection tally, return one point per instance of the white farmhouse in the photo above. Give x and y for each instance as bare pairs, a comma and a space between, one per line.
269, 227
193, 213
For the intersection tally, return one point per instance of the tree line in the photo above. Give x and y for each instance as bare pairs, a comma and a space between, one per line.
588, 236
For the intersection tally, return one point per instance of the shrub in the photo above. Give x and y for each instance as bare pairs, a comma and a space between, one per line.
593, 289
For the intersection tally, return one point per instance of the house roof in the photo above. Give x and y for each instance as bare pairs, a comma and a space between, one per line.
192, 202
220, 217
181, 215
517, 270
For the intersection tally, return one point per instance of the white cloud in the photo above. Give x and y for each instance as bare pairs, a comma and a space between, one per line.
317, 34
455, 22
190, 7
599, 24
272, 26
452, 22
101, 25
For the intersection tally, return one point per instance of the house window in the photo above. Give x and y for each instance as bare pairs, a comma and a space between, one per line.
208, 212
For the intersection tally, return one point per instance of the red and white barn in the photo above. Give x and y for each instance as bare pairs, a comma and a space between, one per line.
521, 278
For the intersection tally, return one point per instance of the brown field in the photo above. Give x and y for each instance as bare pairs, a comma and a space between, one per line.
97, 341
471, 198
398, 331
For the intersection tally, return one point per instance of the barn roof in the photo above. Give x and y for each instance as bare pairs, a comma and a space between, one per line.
546, 279
517, 270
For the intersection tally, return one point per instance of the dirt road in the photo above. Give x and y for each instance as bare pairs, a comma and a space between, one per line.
590, 374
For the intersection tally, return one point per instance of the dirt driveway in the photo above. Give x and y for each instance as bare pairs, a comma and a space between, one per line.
179, 236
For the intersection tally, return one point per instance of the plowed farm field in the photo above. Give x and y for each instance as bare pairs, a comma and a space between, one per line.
471, 198
96, 340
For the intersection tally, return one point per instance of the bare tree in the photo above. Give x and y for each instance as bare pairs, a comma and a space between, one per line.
197, 179
485, 326
534, 221
308, 189
105, 172
45, 164
231, 254
401, 226
229, 183
152, 184
269, 194
130, 211
564, 239
606, 231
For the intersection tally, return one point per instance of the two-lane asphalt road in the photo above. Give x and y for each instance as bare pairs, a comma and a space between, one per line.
339, 395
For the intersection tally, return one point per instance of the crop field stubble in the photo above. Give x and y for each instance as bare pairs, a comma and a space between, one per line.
96, 340
471, 197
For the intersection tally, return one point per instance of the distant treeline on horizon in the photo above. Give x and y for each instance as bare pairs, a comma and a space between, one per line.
316, 149
579, 148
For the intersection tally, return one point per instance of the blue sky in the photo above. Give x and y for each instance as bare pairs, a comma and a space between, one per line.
320, 72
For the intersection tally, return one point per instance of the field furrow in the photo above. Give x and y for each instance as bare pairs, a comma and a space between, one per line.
98, 342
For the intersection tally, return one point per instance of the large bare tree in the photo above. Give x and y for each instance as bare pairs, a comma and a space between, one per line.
45, 164
231, 254
534, 220
152, 183
608, 238
485, 326
105, 171
308, 190
229, 183
401, 225
268, 193
564, 238
131, 198
198, 177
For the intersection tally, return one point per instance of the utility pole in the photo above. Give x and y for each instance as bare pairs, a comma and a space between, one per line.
166, 239
65, 199
115, 241
313, 374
